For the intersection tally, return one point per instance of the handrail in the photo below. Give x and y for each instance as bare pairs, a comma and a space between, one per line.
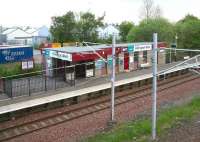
182, 63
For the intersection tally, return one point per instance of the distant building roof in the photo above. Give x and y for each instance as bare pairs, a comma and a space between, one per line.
8, 31
23, 32
105, 32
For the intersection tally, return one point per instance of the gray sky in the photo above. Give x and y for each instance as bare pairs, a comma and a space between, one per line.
39, 12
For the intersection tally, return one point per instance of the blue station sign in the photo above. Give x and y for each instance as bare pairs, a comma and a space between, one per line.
15, 54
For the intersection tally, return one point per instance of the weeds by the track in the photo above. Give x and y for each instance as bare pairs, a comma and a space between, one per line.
140, 130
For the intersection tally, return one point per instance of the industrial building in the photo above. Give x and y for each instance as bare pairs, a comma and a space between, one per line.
24, 35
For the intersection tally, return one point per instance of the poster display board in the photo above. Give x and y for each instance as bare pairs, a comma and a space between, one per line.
27, 65
90, 73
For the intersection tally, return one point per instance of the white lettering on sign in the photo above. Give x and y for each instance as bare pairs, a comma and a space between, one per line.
65, 56
60, 55
10, 55
142, 48
17, 53
9, 58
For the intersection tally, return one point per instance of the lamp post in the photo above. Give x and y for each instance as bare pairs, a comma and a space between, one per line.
113, 81
154, 88
176, 38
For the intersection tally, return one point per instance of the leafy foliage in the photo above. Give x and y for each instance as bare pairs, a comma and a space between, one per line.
64, 27
188, 32
144, 31
124, 29
69, 28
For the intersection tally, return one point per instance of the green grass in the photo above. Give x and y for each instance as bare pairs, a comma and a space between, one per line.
140, 130
11, 69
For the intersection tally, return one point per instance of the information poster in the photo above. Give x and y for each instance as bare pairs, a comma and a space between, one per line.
30, 64
24, 65
90, 73
27, 65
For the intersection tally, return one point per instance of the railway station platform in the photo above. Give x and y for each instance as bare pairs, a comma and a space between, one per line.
87, 86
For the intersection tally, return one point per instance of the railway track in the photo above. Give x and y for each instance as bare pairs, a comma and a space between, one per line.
102, 104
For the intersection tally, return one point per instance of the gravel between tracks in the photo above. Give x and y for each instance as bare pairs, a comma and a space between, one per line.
90, 124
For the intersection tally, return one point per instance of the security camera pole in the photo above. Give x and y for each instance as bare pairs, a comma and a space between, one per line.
154, 88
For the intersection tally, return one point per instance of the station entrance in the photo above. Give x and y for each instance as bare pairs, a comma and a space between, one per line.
80, 70
84, 69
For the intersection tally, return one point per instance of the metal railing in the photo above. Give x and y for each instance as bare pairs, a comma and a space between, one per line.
35, 83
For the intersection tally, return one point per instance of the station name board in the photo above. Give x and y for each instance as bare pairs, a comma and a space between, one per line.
60, 55
15, 54
138, 48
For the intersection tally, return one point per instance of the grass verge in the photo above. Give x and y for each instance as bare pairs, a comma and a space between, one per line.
140, 130
14, 69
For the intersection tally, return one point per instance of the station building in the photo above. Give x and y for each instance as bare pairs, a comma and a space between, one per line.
89, 61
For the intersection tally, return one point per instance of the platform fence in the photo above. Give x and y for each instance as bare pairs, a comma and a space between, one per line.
37, 82
51, 79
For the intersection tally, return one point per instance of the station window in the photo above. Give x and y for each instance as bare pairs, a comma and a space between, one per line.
136, 56
144, 56
90, 65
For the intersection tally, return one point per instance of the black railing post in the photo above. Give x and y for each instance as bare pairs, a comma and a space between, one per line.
55, 83
74, 75
56, 74
94, 69
85, 75
4, 85
29, 87
11, 88
45, 82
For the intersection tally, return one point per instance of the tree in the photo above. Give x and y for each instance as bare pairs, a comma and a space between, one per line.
188, 32
87, 26
149, 10
75, 27
64, 28
124, 29
144, 31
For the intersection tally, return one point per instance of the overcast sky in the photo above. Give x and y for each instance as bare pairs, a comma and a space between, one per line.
39, 12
